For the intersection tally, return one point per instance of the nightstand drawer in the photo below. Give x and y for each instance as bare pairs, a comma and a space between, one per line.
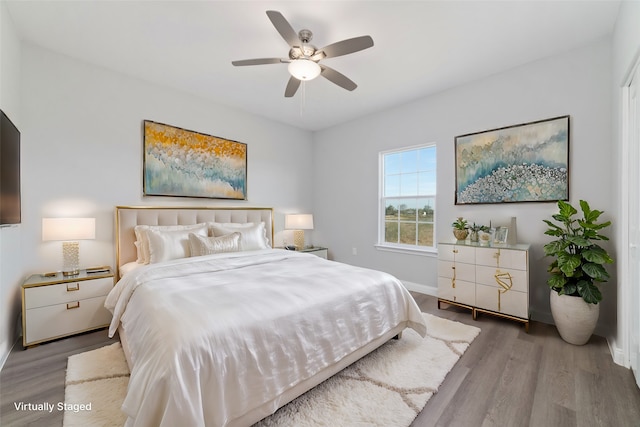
53, 321
42, 296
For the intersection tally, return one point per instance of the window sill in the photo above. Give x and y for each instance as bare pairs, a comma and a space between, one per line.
430, 252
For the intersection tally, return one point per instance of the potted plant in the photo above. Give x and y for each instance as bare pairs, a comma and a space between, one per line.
460, 228
475, 230
577, 270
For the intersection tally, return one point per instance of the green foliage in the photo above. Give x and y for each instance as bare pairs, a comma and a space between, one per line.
477, 227
579, 260
460, 224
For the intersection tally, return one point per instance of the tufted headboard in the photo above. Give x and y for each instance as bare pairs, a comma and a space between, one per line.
127, 217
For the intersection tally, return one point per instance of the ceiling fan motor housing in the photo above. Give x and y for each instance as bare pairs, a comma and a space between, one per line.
304, 51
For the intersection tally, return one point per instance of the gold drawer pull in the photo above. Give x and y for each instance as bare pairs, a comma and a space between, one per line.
73, 287
72, 305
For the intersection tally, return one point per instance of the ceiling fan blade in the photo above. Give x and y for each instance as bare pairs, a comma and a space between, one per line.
284, 28
345, 47
337, 78
292, 87
257, 61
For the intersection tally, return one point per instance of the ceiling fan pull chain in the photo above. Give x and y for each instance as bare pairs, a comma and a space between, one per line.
304, 98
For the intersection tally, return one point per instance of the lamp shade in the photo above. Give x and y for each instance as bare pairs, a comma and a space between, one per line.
68, 228
304, 69
298, 222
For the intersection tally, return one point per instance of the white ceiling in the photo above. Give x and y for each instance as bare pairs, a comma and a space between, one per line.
421, 47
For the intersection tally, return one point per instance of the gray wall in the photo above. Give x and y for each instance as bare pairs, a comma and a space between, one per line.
576, 83
82, 151
10, 237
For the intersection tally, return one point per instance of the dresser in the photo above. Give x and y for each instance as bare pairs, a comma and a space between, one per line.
485, 279
55, 306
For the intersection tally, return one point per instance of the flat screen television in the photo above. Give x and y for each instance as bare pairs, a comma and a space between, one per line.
10, 212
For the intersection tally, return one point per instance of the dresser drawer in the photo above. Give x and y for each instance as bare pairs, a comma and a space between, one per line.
457, 253
511, 302
42, 296
52, 321
463, 292
504, 258
487, 276
448, 269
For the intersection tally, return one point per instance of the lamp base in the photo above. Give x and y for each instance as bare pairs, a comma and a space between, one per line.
298, 239
70, 258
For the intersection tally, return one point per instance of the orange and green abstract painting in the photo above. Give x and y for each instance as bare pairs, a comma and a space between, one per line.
179, 162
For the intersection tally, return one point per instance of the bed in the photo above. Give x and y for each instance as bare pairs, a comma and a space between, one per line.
224, 330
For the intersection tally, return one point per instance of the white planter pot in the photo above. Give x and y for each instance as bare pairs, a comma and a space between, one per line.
575, 319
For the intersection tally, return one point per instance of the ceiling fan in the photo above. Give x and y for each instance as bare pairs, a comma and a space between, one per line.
304, 58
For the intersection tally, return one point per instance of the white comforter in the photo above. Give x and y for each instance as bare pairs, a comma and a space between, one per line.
214, 337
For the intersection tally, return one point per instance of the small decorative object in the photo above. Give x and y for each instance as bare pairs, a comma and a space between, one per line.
460, 228
500, 236
577, 268
179, 162
485, 238
475, 231
522, 163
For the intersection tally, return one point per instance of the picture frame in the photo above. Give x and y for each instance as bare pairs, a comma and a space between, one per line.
184, 163
500, 235
528, 162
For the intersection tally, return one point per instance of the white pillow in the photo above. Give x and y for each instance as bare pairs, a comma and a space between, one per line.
142, 240
172, 244
128, 267
254, 236
204, 245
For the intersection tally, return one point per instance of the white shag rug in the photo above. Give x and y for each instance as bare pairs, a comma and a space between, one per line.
389, 387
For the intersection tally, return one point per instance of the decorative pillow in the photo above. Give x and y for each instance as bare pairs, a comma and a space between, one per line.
254, 236
142, 240
201, 245
165, 245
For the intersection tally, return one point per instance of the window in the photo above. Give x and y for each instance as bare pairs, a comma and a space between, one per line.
408, 198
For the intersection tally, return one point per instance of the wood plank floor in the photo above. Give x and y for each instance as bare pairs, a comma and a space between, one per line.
506, 378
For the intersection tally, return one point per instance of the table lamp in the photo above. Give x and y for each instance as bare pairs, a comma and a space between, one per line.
299, 223
69, 230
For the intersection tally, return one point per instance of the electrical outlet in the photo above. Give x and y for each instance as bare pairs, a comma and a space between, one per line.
354, 251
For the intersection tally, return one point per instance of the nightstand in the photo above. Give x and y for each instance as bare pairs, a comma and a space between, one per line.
318, 251
56, 306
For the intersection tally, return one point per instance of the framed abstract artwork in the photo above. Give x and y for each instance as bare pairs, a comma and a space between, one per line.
522, 163
184, 163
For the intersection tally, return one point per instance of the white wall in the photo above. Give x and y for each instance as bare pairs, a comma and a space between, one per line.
82, 151
10, 237
625, 54
576, 83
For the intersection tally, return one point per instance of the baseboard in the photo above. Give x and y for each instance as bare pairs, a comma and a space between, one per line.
616, 353
6, 356
421, 288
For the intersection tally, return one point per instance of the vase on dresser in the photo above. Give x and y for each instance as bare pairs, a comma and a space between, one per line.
460, 234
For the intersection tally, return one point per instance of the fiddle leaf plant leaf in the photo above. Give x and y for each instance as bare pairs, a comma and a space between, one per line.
595, 271
589, 292
578, 262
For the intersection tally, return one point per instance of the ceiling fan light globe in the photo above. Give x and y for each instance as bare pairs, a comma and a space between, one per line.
304, 69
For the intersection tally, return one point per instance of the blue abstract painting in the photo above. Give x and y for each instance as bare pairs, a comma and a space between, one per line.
521, 163
179, 162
